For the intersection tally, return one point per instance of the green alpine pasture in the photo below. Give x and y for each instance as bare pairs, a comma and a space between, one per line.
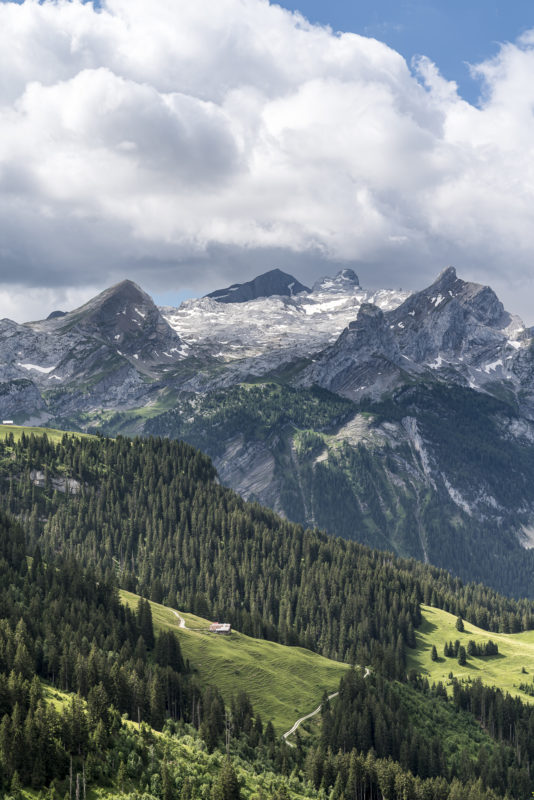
505, 670
52, 434
283, 683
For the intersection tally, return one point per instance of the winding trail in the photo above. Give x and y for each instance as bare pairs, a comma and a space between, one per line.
312, 714
299, 721
303, 719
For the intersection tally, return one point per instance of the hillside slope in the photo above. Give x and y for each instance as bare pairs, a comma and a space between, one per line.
439, 473
76, 666
152, 510
150, 514
512, 667
282, 682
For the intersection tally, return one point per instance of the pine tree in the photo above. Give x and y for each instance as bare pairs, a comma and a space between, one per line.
121, 776
16, 786
166, 784
144, 621
157, 703
229, 783
269, 732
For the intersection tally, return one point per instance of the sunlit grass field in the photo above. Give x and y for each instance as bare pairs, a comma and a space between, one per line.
283, 683
53, 434
516, 652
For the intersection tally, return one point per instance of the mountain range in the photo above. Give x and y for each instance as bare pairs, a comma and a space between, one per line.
404, 420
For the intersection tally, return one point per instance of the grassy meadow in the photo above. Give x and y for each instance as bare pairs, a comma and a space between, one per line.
516, 652
283, 683
53, 434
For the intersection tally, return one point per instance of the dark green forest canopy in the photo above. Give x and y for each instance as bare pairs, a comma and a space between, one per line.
151, 511
478, 735
61, 622
149, 514
63, 626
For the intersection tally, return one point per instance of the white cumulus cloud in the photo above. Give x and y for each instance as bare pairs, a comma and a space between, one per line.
185, 144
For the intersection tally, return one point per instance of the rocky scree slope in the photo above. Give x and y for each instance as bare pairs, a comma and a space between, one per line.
234, 341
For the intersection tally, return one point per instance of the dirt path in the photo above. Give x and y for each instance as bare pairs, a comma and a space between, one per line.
299, 721
303, 719
182, 620
312, 714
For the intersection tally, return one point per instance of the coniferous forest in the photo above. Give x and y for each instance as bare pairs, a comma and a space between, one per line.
84, 681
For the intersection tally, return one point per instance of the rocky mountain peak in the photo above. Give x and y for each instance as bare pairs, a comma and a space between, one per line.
445, 280
345, 279
452, 327
120, 296
367, 313
478, 303
370, 332
115, 307
348, 276
269, 284
126, 319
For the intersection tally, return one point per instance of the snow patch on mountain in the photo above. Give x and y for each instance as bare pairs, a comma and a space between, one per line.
493, 366
456, 497
44, 370
295, 326
526, 537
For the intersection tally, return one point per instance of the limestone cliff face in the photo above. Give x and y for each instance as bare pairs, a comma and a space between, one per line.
365, 360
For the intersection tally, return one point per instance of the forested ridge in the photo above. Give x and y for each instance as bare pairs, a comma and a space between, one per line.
372, 489
62, 623
150, 516
254, 411
151, 511
478, 733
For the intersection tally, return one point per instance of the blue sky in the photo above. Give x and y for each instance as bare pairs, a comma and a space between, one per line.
450, 32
